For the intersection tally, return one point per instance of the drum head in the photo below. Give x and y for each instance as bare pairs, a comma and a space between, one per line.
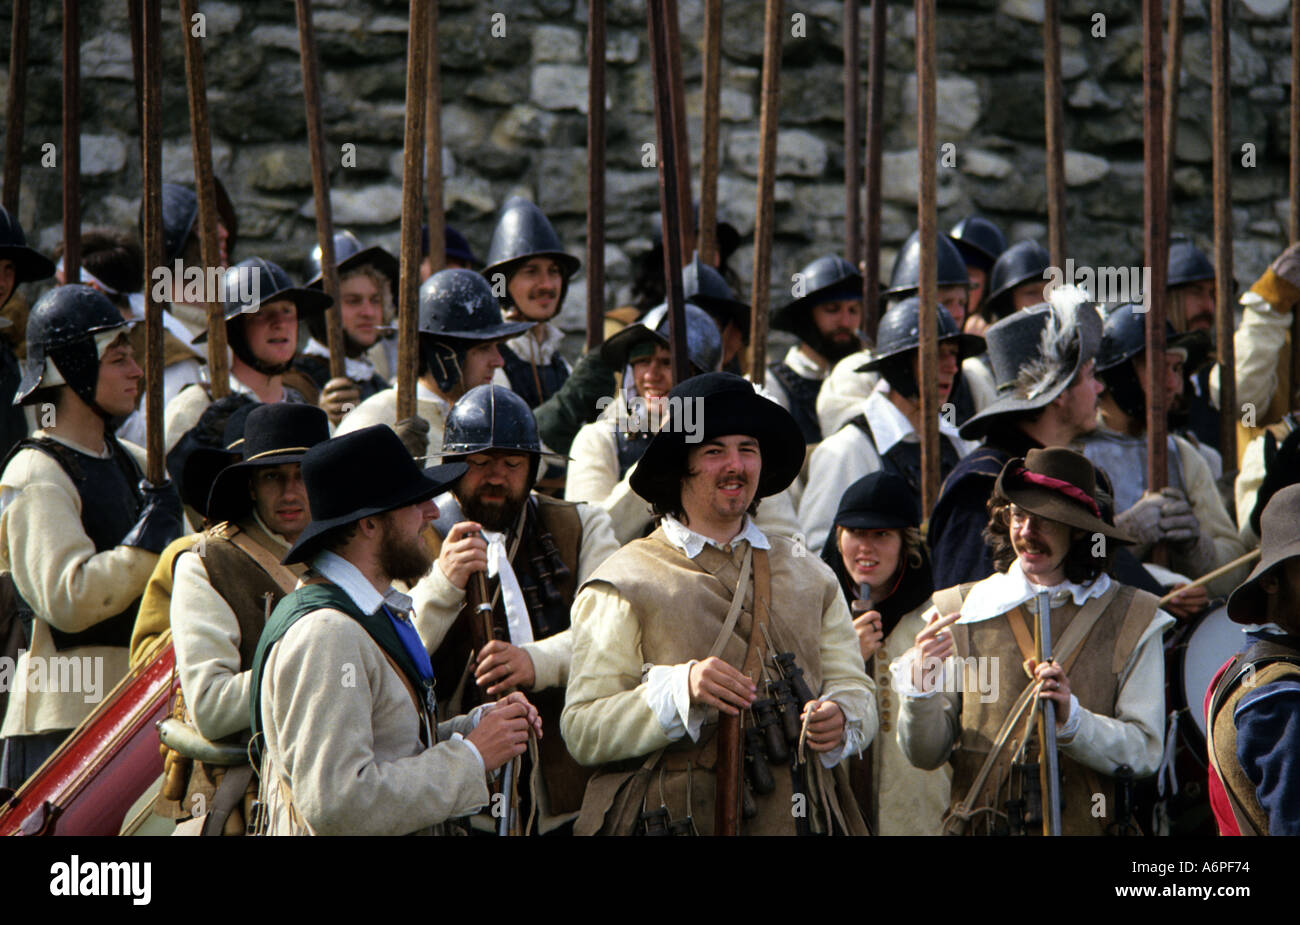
1213, 641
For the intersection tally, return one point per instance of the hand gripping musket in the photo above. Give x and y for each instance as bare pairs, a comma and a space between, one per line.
1047, 723
483, 613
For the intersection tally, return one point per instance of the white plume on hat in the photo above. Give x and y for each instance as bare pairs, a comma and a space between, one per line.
1059, 345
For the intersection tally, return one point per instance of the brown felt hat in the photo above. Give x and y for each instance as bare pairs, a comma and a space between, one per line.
1057, 484
1280, 540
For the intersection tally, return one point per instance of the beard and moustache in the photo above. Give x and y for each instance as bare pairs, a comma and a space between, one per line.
402, 558
497, 516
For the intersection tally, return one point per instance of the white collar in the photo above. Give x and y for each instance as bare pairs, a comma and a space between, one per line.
1001, 592
528, 347
799, 361
356, 586
692, 543
269, 532
358, 369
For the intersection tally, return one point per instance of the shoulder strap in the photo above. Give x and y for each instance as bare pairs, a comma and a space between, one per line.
1142, 607
264, 559
733, 612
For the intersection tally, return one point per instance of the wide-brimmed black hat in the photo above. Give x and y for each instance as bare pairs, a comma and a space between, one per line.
730, 406
879, 501
274, 434
1058, 484
1279, 541
29, 263
1035, 354
361, 474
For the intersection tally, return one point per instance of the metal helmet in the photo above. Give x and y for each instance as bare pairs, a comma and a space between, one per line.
704, 286
255, 282
61, 327
899, 336
980, 241
905, 278
1022, 262
1187, 262
827, 279
458, 311
703, 340
490, 417
180, 210
349, 254
29, 264
523, 231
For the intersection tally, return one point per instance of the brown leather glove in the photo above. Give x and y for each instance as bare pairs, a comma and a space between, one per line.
339, 396
1287, 265
1280, 284
414, 433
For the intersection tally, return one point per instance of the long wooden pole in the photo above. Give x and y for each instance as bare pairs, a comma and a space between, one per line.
151, 155
1055, 129
135, 23
852, 133
927, 223
875, 134
320, 184
712, 92
1173, 67
1294, 222
437, 220
417, 58
769, 114
669, 180
205, 190
681, 139
71, 141
1156, 241
16, 105
595, 175
1221, 131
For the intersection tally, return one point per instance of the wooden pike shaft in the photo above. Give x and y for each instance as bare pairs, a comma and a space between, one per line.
135, 17
875, 132
15, 105
1173, 66
1156, 242
417, 57
1055, 130
433, 179
71, 142
712, 92
852, 133
320, 184
595, 175
926, 220
669, 202
681, 138
1294, 222
1221, 131
151, 71
210, 251
769, 114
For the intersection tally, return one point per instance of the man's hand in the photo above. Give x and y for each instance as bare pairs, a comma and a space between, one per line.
414, 434
715, 683
870, 632
503, 728
503, 666
339, 396
1187, 604
825, 724
1056, 687
464, 552
933, 645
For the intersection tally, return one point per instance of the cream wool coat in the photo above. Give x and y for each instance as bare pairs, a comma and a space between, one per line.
68, 584
344, 737
593, 478
381, 408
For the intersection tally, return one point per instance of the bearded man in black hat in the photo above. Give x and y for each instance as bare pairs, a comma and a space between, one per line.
222, 592
523, 552
367, 296
461, 333
530, 271
885, 432
1106, 677
80, 529
18, 264
262, 309
1047, 396
341, 683
825, 316
670, 631
1253, 707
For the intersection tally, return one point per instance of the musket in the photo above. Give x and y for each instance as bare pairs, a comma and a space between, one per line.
320, 184
1049, 765
866, 775
201, 138
483, 613
595, 175
15, 105
417, 59
769, 111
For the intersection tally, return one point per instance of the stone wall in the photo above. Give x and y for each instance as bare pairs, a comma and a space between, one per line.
514, 122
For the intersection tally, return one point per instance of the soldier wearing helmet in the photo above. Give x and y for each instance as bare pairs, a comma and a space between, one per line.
80, 530
532, 553
182, 248
18, 264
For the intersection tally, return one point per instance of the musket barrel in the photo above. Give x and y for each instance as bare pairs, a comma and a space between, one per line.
1050, 761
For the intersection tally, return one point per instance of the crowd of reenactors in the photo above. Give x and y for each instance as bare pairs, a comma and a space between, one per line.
572, 596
